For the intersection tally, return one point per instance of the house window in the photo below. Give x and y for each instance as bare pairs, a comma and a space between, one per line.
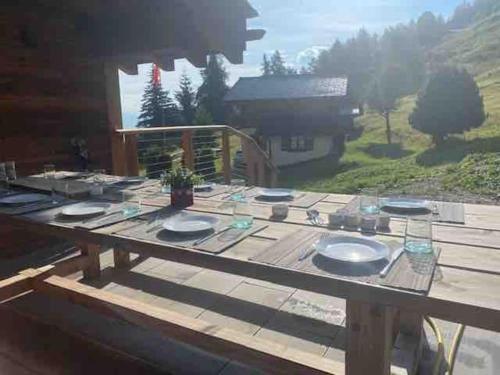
297, 143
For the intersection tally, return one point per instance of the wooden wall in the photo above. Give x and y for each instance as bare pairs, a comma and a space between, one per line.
43, 106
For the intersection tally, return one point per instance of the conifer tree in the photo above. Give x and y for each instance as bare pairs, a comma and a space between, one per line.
213, 89
186, 97
157, 108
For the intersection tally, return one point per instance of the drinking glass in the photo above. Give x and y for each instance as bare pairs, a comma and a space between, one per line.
98, 182
4, 181
237, 189
10, 170
130, 206
49, 172
242, 215
368, 202
418, 235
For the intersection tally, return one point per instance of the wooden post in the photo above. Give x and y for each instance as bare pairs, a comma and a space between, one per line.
226, 157
121, 258
187, 146
93, 269
132, 160
113, 105
369, 338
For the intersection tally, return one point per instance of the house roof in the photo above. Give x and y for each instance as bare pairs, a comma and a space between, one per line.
286, 87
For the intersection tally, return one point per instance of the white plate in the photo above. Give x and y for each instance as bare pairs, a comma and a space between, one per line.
276, 193
203, 187
85, 209
190, 223
405, 203
351, 249
22, 198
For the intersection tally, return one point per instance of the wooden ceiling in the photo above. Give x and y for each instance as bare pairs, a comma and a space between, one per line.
126, 32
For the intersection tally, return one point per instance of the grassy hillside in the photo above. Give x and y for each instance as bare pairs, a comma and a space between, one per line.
475, 48
464, 166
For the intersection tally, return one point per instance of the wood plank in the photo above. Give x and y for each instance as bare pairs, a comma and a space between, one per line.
260, 353
14, 286
369, 338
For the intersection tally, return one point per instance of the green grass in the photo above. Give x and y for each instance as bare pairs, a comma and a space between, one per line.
464, 164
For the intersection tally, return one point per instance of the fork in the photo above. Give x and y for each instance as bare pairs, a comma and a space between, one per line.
307, 253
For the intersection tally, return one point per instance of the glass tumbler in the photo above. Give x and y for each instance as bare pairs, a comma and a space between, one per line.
242, 215
368, 202
418, 234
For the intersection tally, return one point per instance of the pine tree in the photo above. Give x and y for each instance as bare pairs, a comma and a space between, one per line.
277, 63
157, 108
266, 66
213, 89
186, 97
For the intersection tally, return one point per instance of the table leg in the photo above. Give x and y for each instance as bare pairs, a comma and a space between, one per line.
121, 258
410, 341
369, 338
93, 270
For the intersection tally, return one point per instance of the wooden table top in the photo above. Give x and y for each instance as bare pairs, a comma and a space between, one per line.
468, 274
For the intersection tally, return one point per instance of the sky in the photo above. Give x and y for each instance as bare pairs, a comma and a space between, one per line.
299, 29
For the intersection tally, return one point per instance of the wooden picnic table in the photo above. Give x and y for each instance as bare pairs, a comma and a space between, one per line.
464, 288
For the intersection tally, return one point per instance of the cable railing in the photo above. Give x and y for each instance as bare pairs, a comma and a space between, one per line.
218, 153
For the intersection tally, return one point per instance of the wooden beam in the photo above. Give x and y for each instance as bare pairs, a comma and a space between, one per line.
121, 258
226, 157
130, 69
170, 129
268, 356
114, 112
131, 155
369, 338
187, 147
14, 286
93, 269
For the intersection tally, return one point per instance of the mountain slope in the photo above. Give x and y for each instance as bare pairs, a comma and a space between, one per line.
476, 48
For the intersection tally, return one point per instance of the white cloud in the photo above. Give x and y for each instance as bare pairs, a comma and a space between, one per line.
305, 56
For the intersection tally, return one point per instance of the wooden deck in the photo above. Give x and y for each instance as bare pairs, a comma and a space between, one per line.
468, 274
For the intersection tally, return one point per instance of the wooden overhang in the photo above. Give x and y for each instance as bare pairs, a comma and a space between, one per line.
127, 32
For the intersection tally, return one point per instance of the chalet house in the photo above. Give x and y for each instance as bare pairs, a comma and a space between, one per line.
295, 118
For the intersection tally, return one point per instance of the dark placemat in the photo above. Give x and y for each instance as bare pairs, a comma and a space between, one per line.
55, 216
447, 212
299, 199
215, 190
410, 272
152, 231
33, 207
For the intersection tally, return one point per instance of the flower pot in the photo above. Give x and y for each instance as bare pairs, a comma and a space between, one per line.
181, 197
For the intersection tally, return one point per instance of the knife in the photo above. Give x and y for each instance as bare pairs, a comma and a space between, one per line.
99, 218
206, 238
394, 257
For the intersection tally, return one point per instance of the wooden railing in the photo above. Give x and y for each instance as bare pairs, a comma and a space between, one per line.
217, 152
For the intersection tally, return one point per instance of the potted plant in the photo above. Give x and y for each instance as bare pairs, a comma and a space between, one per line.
181, 181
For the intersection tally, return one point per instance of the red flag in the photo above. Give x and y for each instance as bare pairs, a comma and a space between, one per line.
156, 75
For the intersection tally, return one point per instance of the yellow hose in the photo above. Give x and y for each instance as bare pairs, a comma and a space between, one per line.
454, 348
440, 346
